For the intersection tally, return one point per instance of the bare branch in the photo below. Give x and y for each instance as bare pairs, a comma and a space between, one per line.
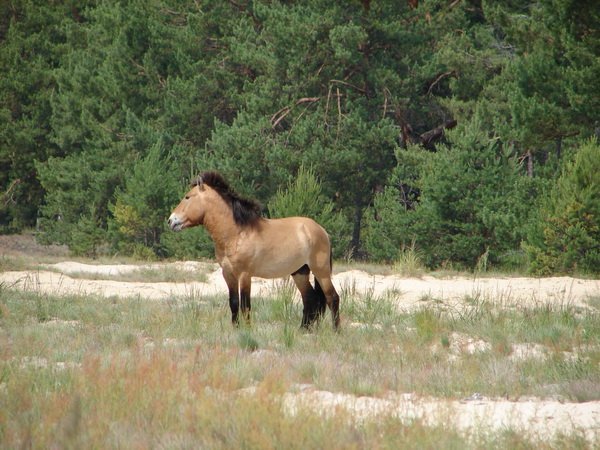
440, 78
345, 83
308, 100
283, 112
386, 92
7, 197
279, 116
327, 104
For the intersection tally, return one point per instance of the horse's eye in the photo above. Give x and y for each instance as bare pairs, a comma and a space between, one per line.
187, 197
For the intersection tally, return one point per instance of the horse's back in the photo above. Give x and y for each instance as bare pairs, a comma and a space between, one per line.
304, 229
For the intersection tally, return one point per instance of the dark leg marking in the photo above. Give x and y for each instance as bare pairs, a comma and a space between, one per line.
245, 303
312, 298
304, 270
332, 299
234, 304
320, 299
234, 295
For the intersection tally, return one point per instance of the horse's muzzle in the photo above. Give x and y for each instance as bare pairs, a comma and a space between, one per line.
175, 223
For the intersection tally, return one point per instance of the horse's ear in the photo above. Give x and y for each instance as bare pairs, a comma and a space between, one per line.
198, 182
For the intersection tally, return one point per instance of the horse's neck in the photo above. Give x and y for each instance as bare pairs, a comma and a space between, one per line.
220, 225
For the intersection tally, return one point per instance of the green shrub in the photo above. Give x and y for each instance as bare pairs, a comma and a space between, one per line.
390, 225
143, 205
472, 203
86, 238
566, 236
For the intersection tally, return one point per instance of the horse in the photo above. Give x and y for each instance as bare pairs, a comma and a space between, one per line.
249, 245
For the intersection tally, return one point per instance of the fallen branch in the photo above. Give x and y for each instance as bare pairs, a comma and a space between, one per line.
437, 133
353, 86
7, 196
440, 78
283, 112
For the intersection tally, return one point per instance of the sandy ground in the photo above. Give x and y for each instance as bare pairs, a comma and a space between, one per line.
407, 293
536, 417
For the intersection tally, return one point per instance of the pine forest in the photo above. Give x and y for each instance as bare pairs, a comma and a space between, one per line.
465, 133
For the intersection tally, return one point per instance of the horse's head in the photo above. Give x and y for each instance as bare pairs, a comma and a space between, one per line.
191, 209
211, 192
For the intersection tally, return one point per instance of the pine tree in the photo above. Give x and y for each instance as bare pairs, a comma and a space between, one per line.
142, 205
362, 92
472, 204
566, 237
31, 46
330, 86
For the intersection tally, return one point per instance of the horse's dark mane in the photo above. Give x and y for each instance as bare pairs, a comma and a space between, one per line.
246, 212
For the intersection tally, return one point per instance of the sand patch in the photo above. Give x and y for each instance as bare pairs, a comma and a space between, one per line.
407, 293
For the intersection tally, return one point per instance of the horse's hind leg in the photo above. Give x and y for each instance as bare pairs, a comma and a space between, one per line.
321, 301
309, 297
245, 287
332, 297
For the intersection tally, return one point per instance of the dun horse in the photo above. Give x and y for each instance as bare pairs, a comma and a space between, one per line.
248, 245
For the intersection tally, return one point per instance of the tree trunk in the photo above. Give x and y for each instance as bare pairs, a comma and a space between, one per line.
358, 212
529, 163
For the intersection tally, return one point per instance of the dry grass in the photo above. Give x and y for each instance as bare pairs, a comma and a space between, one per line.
17, 263
87, 372
409, 262
164, 274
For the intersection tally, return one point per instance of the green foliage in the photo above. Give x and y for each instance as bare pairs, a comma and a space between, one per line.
528, 71
258, 89
390, 227
140, 209
190, 244
304, 197
86, 237
32, 38
409, 262
473, 200
79, 189
325, 90
566, 236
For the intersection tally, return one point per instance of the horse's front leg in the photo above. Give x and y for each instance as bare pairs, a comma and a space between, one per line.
245, 288
234, 295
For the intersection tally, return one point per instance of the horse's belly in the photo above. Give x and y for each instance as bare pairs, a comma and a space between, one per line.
277, 268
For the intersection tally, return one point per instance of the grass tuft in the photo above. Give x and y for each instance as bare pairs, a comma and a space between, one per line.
409, 262
247, 341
